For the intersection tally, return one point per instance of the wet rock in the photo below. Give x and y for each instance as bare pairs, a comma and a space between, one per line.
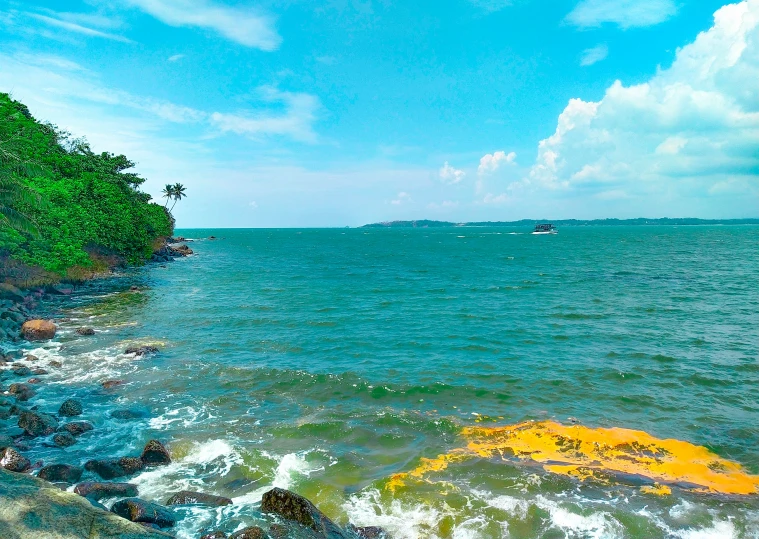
181, 250
64, 439
291, 506
134, 288
251, 532
138, 510
96, 490
141, 350
13, 461
38, 330
278, 531
126, 413
39, 371
31, 357
34, 509
77, 427
22, 392
70, 408
85, 331
113, 468
214, 535
155, 454
22, 371
55, 364
186, 497
61, 473
37, 423
110, 384
370, 532
34, 381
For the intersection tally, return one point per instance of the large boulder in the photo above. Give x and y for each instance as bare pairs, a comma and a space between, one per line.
138, 510
141, 350
33, 508
70, 408
60, 473
22, 392
85, 331
155, 454
76, 428
113, 468
64, 439
12, 460
294, 507
95, 490
37, 423
188, 497
38, 330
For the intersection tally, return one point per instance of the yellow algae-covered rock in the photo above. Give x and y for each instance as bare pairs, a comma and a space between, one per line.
38, 330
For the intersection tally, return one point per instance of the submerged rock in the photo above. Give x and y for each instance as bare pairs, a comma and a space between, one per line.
155, 454
70, 408
251, 532
37, 423
85, 331
186, 497
113, 468
96, 490
22, 371
370, 532
141, 350
61, 473
110, 384
138, 510
13, 461
64, 439
214, 535
22, 392
38, 330
291, 506
77, 427
126, 413
31, 508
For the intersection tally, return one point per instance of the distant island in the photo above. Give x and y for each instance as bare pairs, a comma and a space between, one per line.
640, 221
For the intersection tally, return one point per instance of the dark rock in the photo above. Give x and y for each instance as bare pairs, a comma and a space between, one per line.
211, 237
291, 506
85, 331
76, 427
70, 408
31, 357
138, 510
22, 392
60, 472
38, 330
39, 371
129, 414
141, 350
13, 461
56, 364
10, 292
251, 532
34, 381
64, 439
278, 531
113, 468
110, 384
214, 535
155, 454
37, 423
186, 497
134, 288
370, 532
22, 371
96, 490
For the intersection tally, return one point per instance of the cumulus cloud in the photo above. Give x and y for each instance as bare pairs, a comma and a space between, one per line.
451, 175
689, 128
594, 55
402, 198
242, 25
492, 161
624, 13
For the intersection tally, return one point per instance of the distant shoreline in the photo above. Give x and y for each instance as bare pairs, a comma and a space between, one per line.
641, 221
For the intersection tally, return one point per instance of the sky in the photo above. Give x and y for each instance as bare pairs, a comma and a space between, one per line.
301, 113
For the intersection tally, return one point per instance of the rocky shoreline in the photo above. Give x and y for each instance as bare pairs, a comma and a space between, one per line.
66, 499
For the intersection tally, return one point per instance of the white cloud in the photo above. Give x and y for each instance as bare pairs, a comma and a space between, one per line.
492, 161
77, 28
624, 13
402, 198
688, 129
242, 25
296, 121
175, 57
594, 55
451, 175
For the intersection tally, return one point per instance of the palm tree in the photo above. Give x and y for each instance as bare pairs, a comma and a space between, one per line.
13, 193
167, 193
178, 193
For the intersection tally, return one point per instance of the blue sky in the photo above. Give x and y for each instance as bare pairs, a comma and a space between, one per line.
342, 112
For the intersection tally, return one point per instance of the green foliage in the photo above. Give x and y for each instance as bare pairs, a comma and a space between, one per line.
79, 202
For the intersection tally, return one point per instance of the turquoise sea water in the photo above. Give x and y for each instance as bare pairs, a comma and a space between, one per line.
326, 361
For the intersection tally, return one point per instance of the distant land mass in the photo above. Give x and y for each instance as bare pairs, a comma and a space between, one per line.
640, 221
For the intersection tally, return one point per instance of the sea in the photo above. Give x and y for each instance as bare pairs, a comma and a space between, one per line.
462, 382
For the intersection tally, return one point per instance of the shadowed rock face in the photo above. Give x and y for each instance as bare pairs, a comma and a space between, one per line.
60, 473
185, 497
70, 408
76, 428
95, 490
34, 509
291, 506
112, 468
12, 460
138, 510
37, 423
155, 454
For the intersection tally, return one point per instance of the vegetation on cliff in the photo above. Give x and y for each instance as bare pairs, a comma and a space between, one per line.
68, 211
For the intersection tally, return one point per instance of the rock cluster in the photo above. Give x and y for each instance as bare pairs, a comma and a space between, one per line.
170, 250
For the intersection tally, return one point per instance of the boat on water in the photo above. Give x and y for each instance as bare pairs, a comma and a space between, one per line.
546, 228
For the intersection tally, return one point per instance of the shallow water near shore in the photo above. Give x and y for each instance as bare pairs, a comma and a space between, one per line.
334, 362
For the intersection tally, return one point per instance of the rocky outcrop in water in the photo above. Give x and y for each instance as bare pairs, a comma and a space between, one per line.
187, 497
60, 473
295, 507
75, 428
38, 330
70, 408
113, 468
85, 332
31, 508
13, 461
141, 350
155, 454
37, 423
96, 490
138, 510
